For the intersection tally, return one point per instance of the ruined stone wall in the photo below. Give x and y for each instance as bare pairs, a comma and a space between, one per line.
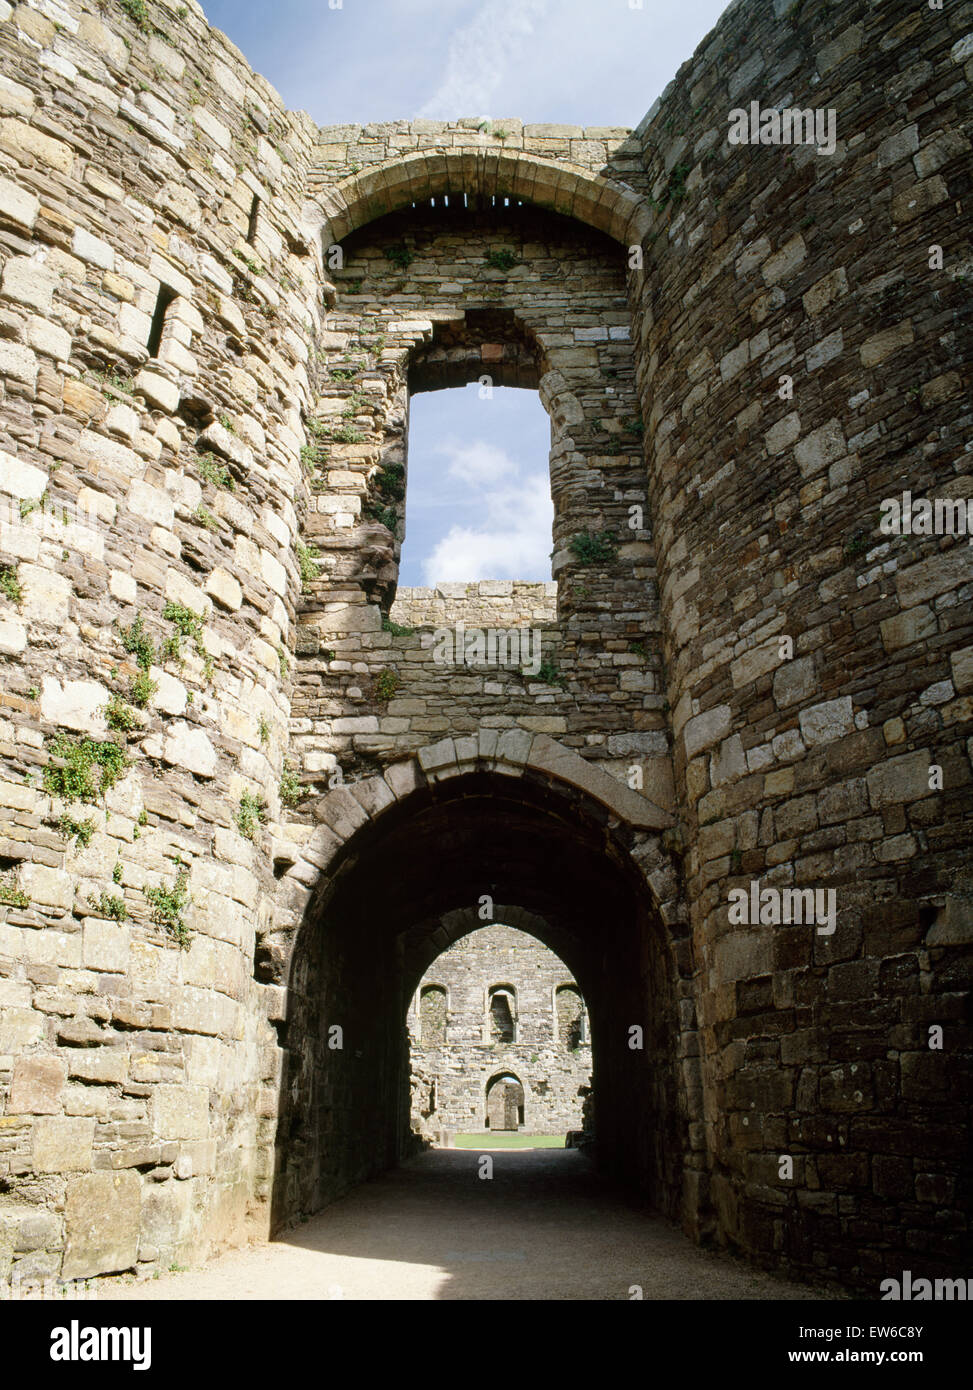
771, 262
483, 603
458, 1071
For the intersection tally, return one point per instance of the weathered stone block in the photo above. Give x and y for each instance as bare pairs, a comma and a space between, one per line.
63, 1144
102, 1224
180, 1112
899, 780
826, 722
36, 1086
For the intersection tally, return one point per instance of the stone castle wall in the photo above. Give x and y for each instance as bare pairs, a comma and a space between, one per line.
203, 429
780, 263
458, 1071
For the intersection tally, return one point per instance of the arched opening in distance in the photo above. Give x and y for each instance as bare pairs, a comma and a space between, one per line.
504, 1103
500, 981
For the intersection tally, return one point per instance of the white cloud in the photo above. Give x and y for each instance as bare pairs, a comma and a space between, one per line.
477, 463
513, 541
481, 54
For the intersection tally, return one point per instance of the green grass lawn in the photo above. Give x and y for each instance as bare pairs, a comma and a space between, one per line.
508, 1139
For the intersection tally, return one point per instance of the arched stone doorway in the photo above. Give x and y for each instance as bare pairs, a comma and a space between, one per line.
504, 1103
401, 867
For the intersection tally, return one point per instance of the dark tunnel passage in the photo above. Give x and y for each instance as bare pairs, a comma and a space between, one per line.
405, 888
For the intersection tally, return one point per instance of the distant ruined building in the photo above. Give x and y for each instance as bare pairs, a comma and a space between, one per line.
499, 1040
243, 809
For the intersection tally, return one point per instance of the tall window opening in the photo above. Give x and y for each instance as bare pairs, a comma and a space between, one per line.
503, 1014
479, 495
571, 1022
432, 1016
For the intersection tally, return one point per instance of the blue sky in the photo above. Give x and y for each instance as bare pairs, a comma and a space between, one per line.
586, 62
478, 503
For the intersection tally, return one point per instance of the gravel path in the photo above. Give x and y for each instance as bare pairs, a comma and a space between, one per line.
544, 1227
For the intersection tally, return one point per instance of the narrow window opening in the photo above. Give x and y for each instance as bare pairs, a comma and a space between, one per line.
165, 298
254, 215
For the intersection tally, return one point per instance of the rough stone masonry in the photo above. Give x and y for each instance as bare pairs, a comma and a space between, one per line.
242, 808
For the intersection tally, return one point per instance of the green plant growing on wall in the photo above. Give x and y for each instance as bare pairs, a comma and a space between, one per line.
501, 260
80, 831
141, 690
72, 781
250, 815
116, 873
10, 894
347, 434
284, 662
10, 584
856, 544
396, 629
168, 905
138, 13
137, 641
675, 189
307, 560
263, 729
400, 256
120, 716
353, 407
386, 684
111, 905
386, 516
206, 518
594, 547
187, 624
290, 787
313, 455
637, 649
390, 481
548, 674
211, 470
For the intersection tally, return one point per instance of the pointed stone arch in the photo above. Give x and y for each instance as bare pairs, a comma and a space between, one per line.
345, 811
